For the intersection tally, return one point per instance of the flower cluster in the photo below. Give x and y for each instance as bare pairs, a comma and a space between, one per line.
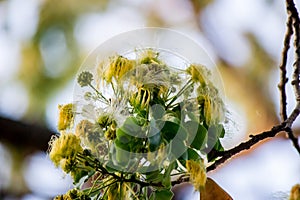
66, 116
197, 172
64, 151
139, 122
72, 195
85, 79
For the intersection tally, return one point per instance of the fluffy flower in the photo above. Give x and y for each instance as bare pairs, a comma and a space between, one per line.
149, 56
198, 73
64, 150
116, 68
197, 172
72, 195
213, 105
66, 116
141, 99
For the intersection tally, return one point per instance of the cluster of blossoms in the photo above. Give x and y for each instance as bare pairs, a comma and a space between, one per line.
140, 123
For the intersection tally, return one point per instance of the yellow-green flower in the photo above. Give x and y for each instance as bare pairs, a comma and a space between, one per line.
72, 195
64, 150
199, 73
149, 56
197, 172
295, 192
66, 116
110, 133
104, 120
118, 191
141, 99
213, 105
116, 68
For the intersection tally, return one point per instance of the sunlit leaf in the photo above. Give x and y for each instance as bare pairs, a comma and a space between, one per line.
194, 128
162, 195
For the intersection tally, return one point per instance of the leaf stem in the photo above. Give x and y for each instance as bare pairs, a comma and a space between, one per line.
99, 93
180, 92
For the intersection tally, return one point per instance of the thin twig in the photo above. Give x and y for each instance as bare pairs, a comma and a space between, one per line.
284, 126
283, 72
294, 17
181, 179
246, 145
101, 169
296, 26
293, 139
293, 116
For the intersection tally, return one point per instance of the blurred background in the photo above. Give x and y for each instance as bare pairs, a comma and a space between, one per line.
43, 43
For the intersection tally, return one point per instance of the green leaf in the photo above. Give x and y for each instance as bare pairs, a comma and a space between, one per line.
172, 117
189, 154
157, 111
178, 146
222, 134
150, 176
131, 126
166, 181
169, 130
218, 146
214, 133
120, 155
154, 142
192, 154
78, 174
197, 130
122, 136
163, 195
192, 116
217, 130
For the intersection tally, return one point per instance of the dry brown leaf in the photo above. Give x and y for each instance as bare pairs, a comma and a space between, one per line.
213, 191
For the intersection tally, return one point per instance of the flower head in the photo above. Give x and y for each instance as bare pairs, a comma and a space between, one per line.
198, 73
149, 57
197, 172
85, 78
213, 106
66, 116
141, 99
72, 195
116, 68
84, 127
90, 134
64, 150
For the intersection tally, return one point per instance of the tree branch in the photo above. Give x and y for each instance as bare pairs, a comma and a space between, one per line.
24, 136
284, 126
225, 155
294, 17
293, 14
283, 72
